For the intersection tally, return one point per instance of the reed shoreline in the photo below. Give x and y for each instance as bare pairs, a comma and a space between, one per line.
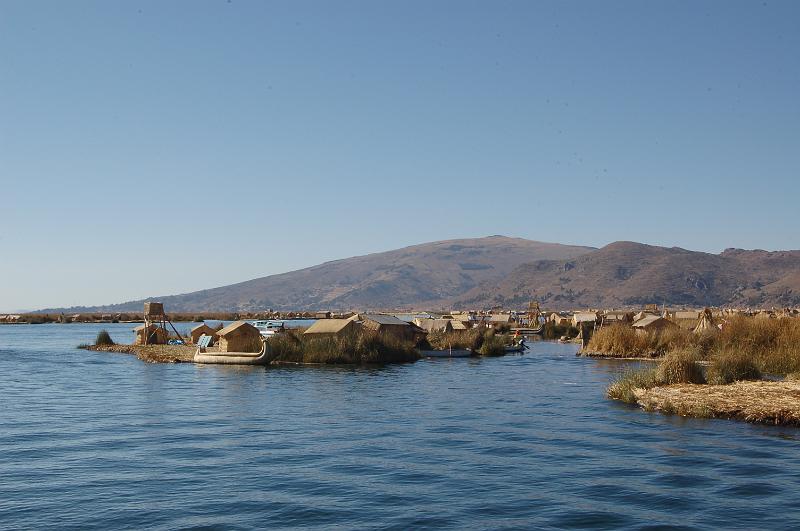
293, 347
760, 402
610, 356
150, 353
721, 372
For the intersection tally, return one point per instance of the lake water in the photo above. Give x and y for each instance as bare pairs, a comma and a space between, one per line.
97, 440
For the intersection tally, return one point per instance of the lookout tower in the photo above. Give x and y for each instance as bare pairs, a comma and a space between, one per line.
154, 316
534, 312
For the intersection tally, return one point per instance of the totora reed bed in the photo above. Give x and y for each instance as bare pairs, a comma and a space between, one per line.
752, 401
716, 374
150, 353
772, 345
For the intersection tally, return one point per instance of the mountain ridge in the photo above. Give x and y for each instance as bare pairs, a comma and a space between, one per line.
424, 274
629, 274
502, 271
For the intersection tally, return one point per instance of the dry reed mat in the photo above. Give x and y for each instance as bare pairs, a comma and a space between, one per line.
764, 402
151, 353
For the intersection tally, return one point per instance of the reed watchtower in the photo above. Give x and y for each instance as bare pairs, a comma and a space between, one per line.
534, 312
154, 315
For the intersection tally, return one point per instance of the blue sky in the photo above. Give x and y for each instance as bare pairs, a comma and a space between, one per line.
214, 142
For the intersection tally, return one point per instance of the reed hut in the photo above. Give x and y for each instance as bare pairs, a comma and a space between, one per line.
200, 330
652, 323
238, 337
616, 317
643, 314
392, 326
686, 319
150, 335
559, 320
435, 325
584, 317
497, 319
331, 327
706, 322
459, 325
464, 317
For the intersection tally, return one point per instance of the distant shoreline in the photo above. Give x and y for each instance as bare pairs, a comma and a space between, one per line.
35, 319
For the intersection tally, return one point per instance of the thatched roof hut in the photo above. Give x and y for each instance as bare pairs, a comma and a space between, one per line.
391, 325
459, 325
435, 325
559, 319
240, 336
686, 319
616, 317
200, 330
501, 318
331, 327
652, 323
150, 335
584, 317
464, 317
706, 322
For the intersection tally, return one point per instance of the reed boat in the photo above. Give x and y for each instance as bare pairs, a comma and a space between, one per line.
529, 331
447, 353
235, 358
518, 347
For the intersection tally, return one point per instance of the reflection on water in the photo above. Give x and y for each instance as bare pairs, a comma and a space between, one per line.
104, 440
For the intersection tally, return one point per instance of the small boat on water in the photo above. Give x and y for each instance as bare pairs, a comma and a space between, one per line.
234, 358
447, 353
520, 346
269, 328
529, 331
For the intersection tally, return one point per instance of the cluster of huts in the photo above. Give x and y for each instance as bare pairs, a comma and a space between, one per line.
235, 337
650, 318
240, 335
383, 324
413, 328
653, 319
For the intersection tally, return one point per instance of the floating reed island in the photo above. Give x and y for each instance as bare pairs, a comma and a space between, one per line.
359, 339
742, 367
152, 353
293, 347
735, 364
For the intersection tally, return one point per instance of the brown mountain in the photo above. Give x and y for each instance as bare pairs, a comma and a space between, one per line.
631, 274
426, 275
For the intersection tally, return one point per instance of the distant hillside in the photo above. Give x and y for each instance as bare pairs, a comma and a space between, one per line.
631, 274
426, 275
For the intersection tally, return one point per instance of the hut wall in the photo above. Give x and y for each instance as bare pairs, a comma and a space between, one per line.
404, 332
239, 340
200, 330
155, 336
348, 328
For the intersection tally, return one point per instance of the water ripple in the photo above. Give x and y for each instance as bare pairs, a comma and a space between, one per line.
93, 440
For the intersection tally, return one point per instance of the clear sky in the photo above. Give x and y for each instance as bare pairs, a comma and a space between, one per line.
151, 148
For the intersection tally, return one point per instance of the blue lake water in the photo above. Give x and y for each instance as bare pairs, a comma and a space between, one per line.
97, 440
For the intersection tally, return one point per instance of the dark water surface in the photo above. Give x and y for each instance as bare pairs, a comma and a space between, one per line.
96, 440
